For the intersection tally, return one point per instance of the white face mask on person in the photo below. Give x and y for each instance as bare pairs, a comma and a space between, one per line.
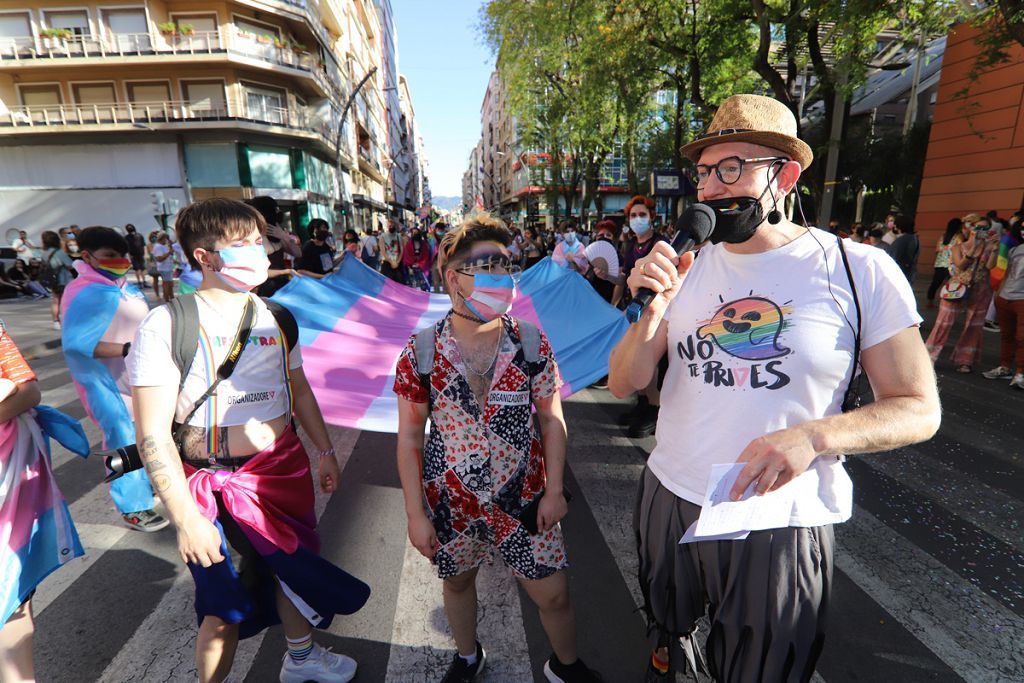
245, 268
570, 237
641, 225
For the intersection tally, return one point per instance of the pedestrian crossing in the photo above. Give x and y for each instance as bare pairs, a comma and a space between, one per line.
928, 581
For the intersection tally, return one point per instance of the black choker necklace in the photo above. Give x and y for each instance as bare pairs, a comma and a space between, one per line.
468, 317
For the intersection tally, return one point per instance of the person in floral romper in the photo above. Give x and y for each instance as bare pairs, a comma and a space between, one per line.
484, 463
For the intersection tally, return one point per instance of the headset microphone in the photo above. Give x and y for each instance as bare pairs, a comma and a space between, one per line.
693, 228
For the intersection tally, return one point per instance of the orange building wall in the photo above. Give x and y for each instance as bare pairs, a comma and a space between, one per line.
965, 172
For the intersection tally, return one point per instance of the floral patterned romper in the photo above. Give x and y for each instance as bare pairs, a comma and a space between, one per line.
483, 465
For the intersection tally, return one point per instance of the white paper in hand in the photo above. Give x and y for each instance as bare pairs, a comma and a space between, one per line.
605, 250
720, 515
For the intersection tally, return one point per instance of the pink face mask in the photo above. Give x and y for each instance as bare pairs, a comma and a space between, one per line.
245, 268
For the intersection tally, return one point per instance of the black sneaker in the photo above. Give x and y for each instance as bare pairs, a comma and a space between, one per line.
644, 424
460, 672
991, 326
627, 418
577, 672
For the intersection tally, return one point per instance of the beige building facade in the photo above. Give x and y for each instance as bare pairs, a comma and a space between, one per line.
104, 105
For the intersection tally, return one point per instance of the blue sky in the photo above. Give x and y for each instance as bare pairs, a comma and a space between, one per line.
447, 66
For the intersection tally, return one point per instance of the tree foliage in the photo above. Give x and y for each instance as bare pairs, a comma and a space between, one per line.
585, 77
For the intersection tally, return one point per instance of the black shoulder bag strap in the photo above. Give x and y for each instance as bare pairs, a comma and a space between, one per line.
851, 399
226, 367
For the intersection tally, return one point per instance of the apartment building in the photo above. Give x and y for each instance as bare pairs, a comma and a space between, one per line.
104, 104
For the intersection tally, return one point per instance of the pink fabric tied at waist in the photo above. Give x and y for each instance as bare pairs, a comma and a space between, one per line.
270, 496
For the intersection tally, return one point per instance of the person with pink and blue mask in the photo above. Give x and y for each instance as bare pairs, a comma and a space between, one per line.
222, 450
570, 252
485, 483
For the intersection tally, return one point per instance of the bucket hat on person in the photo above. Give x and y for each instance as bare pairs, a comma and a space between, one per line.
756, 119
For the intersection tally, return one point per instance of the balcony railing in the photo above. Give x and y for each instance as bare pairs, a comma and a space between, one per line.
222, 41
144, 113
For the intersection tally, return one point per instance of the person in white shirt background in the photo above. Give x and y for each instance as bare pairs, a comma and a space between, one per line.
760, 333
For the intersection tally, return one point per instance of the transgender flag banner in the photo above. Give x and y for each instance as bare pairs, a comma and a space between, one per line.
354, 323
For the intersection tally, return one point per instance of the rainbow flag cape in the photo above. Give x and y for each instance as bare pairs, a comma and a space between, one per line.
997, 274
37, 535
354, 323
89, 307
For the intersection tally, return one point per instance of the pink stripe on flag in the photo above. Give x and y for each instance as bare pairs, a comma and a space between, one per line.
352, 365
523, 309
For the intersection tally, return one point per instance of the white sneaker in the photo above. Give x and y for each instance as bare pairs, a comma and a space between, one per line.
56, 324
1018, 381
322, 666
1001, 372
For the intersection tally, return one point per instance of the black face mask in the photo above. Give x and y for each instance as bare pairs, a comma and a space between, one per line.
321, 236
737, 219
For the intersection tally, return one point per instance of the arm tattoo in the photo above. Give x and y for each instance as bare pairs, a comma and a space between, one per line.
149, 447
155, 466
161, 483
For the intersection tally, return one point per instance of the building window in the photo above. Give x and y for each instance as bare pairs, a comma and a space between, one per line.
77, 21
15, 33
205, 98
266, 104
150, 99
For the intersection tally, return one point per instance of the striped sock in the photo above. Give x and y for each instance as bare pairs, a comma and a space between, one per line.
659, 664
299, 650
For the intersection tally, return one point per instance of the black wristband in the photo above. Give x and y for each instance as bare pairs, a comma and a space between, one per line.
124, 349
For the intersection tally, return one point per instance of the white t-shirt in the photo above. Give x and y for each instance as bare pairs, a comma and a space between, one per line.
167, 265
756, 344
256, 390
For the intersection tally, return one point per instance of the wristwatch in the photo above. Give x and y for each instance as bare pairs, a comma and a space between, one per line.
124, 349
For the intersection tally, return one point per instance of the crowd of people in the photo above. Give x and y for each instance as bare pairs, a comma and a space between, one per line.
769, 333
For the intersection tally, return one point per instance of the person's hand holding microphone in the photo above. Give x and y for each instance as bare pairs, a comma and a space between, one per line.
655, 279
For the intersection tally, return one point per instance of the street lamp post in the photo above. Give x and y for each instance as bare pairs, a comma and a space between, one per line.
341, 124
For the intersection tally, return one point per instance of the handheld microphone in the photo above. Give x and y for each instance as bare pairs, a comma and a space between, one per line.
693, 227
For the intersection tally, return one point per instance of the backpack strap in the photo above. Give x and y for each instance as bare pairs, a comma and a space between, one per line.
285, 320
529, 336
423, 345
852, 398
184, 333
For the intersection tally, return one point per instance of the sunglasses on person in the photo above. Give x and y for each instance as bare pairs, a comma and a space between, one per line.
491, 264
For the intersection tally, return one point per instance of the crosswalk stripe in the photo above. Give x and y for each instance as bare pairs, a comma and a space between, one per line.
421, 643
972, 633
988, 509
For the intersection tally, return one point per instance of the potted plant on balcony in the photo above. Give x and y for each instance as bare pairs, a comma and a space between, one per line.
55, 37
298, 48
167, 29
186, 29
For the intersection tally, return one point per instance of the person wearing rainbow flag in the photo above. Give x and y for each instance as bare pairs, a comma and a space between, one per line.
101, 312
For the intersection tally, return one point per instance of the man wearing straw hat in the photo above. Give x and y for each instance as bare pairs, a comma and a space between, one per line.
765, 332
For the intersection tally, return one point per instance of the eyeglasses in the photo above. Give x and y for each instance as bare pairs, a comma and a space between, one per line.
491, 265
728, 169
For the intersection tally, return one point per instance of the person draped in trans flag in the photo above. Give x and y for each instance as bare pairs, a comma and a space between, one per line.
101, 312
36, 533
218, 385
485, 483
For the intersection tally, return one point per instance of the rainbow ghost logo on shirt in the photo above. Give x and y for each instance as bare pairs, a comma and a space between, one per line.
748, 328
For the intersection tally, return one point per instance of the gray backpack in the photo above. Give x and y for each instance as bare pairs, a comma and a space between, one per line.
423, 345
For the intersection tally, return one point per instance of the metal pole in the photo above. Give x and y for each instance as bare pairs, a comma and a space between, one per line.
341, 124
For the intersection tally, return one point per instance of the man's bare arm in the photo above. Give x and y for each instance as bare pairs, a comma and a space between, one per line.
906, 410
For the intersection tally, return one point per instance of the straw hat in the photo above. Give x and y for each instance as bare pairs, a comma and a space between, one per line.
755, 119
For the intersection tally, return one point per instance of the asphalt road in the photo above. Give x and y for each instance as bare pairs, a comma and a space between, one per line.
929, 583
